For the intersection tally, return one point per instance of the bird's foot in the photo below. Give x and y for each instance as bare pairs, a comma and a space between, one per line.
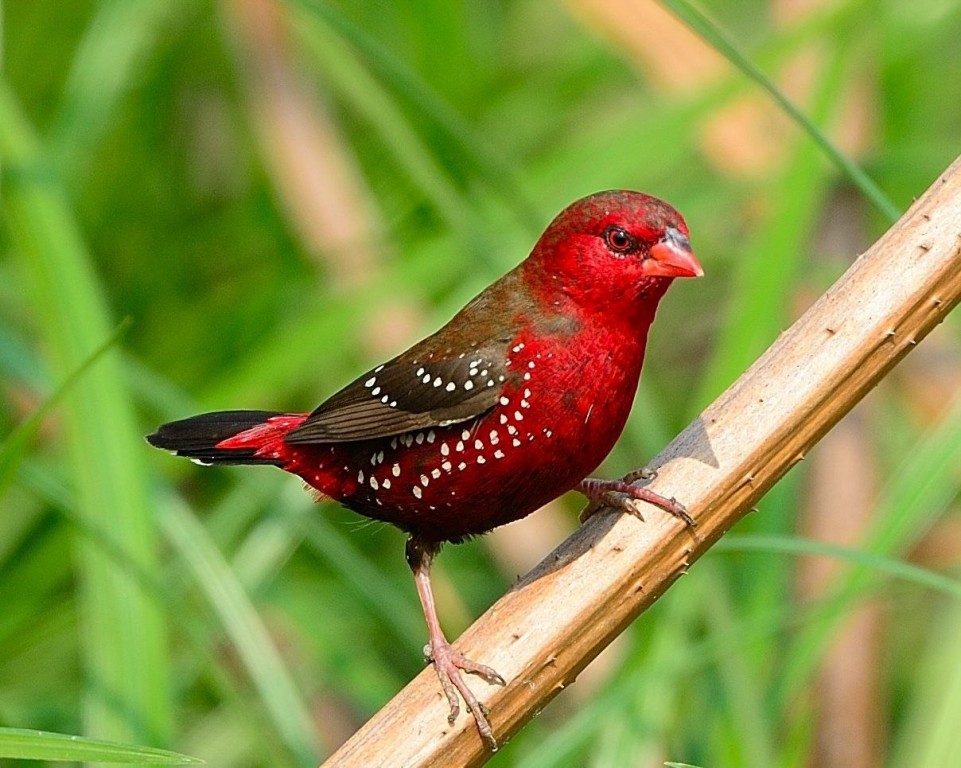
448, 664
621, 494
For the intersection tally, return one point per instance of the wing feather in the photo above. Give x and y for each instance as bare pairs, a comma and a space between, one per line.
407, 394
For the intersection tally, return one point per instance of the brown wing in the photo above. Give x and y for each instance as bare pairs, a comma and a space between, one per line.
409, 393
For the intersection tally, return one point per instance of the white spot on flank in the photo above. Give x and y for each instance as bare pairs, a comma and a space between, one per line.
386, 483
393, 403
503, 400
444, 449
465, 435
517, 443
462, 466
384, 399
527, 393
431, 436
395, 470
493, 437
451, 386
548, 433
518, 416
373, 482
420, 372
460, 446
517, 348
424, 480
375, 391
370, 381
490, 383
479, 445
468, 385
481, 460
446, 466
420, 438
435, 473
393, 443
498, 454
379, 368
484, 372
525, 404
426, 378
512, 429
503, 418
408, 440
418, 492
360, 476
530, 364
527, 377
438, 382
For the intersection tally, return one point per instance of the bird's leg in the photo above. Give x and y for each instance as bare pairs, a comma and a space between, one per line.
621, 494
447, 662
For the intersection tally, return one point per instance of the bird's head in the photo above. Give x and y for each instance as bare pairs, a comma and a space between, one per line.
610, 250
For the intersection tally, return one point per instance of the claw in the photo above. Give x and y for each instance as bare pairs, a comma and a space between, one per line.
448, 664
622, 494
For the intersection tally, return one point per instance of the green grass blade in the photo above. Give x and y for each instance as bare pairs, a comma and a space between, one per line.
13, 449
770, 264
119, 37
22, 744
918, 491
403, 82
793, 545
213, 576
123, 632
700, 23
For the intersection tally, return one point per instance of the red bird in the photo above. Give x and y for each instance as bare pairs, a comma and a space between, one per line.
512, 403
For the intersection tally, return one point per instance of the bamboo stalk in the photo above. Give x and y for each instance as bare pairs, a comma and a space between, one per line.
565, 611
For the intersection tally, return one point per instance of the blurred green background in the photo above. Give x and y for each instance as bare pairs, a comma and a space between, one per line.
280, 194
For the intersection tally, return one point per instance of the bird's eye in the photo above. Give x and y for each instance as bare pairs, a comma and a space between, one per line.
618, 240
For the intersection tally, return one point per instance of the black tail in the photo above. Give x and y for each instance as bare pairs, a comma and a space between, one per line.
196, 437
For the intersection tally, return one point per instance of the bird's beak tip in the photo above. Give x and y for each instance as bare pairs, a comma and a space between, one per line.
673, 257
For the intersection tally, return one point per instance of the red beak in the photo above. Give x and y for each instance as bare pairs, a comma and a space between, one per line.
672, 257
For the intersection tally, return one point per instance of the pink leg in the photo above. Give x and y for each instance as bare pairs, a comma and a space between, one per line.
448, 663
622, 493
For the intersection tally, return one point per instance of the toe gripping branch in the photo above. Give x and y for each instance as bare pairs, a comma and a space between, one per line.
622, 494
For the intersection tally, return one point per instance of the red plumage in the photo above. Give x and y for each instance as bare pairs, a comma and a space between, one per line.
509, 405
